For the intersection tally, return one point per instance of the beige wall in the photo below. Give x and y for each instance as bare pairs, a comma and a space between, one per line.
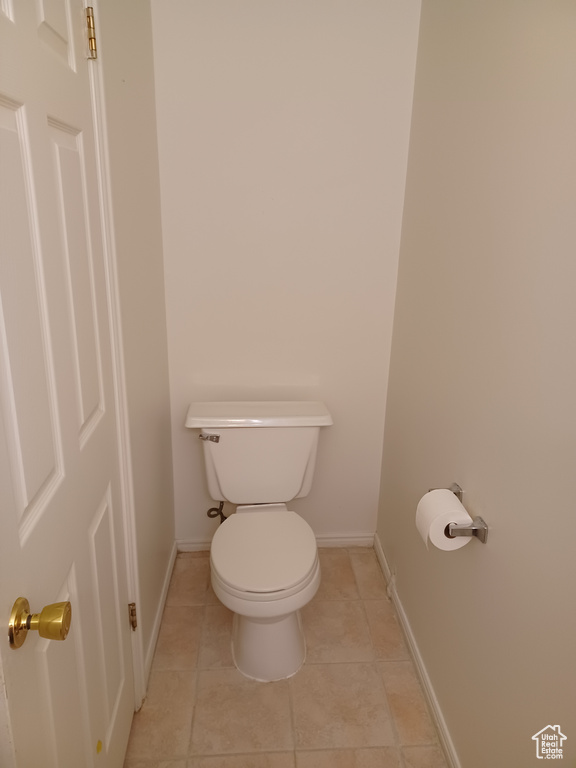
124, 31
483, 374
283, 131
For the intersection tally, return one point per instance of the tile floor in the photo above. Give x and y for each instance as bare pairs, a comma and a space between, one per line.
356, 702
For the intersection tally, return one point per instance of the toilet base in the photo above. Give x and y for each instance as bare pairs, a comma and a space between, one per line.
267, 649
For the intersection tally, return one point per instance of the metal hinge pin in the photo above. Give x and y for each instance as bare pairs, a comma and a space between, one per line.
133, 616
92, 49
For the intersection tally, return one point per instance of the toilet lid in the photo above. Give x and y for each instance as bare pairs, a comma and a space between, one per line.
263, 551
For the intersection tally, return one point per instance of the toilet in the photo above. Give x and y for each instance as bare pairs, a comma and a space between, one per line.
264, 559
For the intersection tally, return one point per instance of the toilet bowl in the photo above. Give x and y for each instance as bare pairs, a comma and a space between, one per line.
264, 568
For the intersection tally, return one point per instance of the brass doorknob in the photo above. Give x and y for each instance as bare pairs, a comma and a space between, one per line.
53, 621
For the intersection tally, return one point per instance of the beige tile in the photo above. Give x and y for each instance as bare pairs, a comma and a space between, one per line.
342, 710
161, 729
254, 760
179, 638
215, 650
383, 757
424, 757
336, 631
368, 574
386, 634
189, 582
409, 709
340, 705
337, 578
234, 714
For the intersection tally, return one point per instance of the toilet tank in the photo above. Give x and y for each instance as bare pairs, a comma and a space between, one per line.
259, 452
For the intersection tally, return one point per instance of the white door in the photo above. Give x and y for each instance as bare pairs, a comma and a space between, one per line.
70, 702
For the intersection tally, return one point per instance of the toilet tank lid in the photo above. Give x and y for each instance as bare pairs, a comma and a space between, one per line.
262, 413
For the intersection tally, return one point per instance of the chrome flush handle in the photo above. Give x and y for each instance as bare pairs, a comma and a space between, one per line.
211, 438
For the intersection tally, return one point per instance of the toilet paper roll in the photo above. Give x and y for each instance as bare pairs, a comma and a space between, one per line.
435, 510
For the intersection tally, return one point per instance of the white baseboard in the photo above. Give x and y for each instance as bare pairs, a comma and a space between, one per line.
443, 733
193, 545
346, 540
326, 540
149, 652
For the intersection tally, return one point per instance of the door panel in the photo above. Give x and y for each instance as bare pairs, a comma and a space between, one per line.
61, 520
76, 248
36, 453
55, 29
103, 553
65, 707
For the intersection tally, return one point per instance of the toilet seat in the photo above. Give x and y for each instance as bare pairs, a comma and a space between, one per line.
264, 556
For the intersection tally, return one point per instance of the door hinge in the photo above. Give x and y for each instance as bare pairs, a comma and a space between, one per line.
133, 616
92, 50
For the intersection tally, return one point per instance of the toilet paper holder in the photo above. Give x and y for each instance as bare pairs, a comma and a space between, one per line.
477, 527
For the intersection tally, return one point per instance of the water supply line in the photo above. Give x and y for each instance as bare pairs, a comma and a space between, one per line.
217, 512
